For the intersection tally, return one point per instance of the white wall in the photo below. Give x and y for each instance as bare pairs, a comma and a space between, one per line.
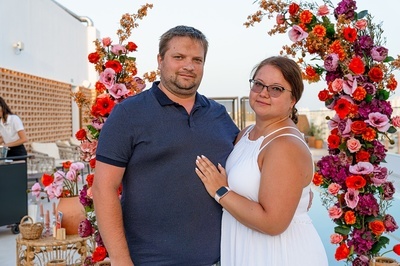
56, 44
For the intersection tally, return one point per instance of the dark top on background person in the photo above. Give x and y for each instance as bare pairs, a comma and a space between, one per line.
149, 142
265, 220
12, 133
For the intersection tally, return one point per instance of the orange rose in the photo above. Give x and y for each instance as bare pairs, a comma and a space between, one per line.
355, 182
317, 179
349, 217
375, 74
377, 227
358, 127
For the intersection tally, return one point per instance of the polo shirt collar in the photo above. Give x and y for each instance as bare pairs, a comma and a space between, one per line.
163, 99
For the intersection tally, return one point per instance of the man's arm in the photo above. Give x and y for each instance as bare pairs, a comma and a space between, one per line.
109, 213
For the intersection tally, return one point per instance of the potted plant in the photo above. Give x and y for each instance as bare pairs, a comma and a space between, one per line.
315, 136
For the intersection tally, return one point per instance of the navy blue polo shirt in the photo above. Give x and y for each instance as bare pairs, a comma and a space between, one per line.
169, 217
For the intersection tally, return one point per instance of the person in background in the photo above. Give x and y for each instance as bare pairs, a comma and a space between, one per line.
149, 143
265, 189
12, 133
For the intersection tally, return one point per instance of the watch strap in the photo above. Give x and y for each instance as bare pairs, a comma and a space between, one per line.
221, 192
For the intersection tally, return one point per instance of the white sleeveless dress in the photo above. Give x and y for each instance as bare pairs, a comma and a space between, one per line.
299, 245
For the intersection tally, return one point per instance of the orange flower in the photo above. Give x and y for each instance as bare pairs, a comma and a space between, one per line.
369, 134
342, 252
377, 227
66, 165
89, 179
311, 74
350, 34
317, 179
356, 65
336, 48
392, 83
306, 17
100, 88
319, 31
355, 182
47, 179
342, 108
359, 93
349, 217
375, 74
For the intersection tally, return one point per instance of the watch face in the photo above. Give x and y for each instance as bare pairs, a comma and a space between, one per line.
221, 191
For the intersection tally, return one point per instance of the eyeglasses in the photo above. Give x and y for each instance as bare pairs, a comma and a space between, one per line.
273, 90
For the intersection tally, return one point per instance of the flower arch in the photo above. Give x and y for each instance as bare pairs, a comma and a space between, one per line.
345, 48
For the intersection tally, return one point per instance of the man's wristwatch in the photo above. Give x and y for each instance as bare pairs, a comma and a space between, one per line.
221, 192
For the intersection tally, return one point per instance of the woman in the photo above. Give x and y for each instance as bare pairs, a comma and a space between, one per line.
12, 133
269, 172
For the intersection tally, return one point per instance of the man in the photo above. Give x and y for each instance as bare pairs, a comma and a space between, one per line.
149, 143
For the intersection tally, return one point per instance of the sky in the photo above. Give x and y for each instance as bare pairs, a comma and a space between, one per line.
233, 49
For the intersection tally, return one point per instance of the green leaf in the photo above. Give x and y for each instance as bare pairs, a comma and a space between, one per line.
343, 230
368, 98
381, 243
362, 14
388, 59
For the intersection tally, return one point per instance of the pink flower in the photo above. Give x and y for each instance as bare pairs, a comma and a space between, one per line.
361, 24
331, 62
106, 41
98, 124
353, 145
335, 212
36, 190
396, 121
336, 238
380, 175
280, 19
89, 193
323, 10
378, 120
337, 85
361, 168
118, 49
351, 198
139, 83
297, 34
350, 84
107, 77
334, 188
379, 53
118, 90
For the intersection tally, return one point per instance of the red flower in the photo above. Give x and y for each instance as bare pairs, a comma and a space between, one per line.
94, 57
47, 179
131, 46
359, 93
293, 9
342, 108
350, 34
392, 83
103, 106
333, 141
356, 65
99, 254
80, 134
356, 182
114, 64
358, 127
377, 227
306, 17
362, 156
396, 249
92, 163
89, 179
342, 252
369, 134
100, 88
317, 179
324, 95
66, 165
375, 74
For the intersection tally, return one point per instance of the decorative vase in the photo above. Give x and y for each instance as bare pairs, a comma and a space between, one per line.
72, 214
383, 261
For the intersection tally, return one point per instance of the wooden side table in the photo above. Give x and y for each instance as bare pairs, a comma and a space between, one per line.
39, 252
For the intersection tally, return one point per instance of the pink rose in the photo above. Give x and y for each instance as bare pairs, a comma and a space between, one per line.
336, 238
361, 168
334, 188
280, 19
396, 121
335, 212
118, 90
361, 24
351, 198
107, 77
337, 85
379, 53
323, 10
350, 84
297, 34
353, 145
106, 41
331, 62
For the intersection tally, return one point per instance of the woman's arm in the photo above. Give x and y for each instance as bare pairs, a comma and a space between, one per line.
21, 140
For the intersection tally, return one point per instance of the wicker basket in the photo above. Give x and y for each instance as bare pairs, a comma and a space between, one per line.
30, 230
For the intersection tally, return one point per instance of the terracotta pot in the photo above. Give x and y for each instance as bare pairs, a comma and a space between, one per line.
311, 141
383, 261
73, 213
318, 143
